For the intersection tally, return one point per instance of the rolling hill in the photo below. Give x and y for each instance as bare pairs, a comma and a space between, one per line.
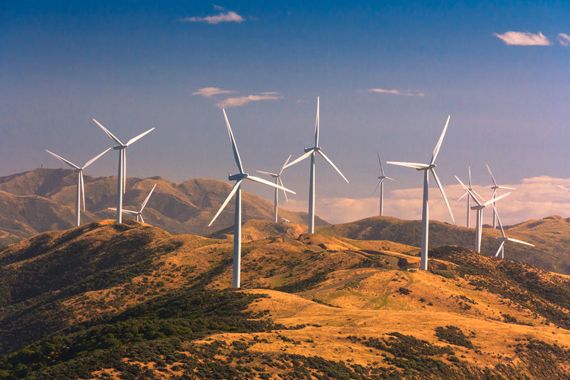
551, 236
134, 301
44, 199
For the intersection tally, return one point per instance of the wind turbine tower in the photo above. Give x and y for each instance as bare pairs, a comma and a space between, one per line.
278, 181
239, 178
312, 153
80, 193
380, 184
427, 169
122, 171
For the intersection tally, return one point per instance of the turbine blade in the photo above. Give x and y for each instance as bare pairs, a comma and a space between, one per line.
142, 219
442, 193
113, 209
108, 133
284, 192
463, 196
500, 222
506, 188
380, 163
413, 165
323, 155
491, 173
64, 160
147, 198
284, 165
261, 180
440, 141
469, 191
376, 187
317, 122
563, 187
124, 151
130, 212
493, 200
299, 159
137, 138
95, 158
82, 181
520, 242
469, 171
235, 188
499, 250
234, 144
267, 173
391, 179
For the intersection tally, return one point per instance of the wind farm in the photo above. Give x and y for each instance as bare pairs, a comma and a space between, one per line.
208, 260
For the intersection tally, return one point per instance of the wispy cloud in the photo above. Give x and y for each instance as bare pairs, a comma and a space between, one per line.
534, 198
208, 92
239, 101
395, 91
227, 16
564, 39
523, 39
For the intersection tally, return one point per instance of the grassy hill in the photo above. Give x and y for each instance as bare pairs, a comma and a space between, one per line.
44, 199
551, 236
133, 301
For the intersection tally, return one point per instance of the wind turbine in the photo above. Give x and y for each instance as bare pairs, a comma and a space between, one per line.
480, 207
122, 175
278, 181
504, 238
312, 152
380, 184
466, 194
427, 169
139, 213
80, 195
496, 187
236, 190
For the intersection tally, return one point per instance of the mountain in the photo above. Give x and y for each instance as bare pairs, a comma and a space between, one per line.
134, 301
44, 199
551, 236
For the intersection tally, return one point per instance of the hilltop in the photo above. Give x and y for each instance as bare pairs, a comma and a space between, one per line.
132, 300
551, 236
44, 199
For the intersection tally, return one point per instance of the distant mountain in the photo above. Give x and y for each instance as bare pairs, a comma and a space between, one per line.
551, 236
134, 301
44, 200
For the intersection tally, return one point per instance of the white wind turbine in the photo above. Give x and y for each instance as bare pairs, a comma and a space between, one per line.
236, 190
139, 213
380, 184
480, 207
504, 238
278, 181
80, 194
469, 197
496, 187
427, 169
122, 174
312, 152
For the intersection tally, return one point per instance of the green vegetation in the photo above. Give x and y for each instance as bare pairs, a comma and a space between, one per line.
453, 335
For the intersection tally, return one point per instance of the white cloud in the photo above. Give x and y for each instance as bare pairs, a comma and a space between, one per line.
229, 16
238, 101
395, 91
523, 39
564, 39
208, 92
534, 198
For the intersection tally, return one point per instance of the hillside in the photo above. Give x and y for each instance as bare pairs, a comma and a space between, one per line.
551, 236
44, 199
133, 301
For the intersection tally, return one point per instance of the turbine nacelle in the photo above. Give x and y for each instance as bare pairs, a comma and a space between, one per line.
315, 149
238, 176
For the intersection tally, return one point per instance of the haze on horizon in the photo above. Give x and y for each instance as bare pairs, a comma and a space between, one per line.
387, 74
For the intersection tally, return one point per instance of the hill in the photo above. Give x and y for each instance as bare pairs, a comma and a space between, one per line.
551, 236
44, 199
133, 301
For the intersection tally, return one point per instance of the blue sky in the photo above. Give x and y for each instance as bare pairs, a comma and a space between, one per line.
136, 64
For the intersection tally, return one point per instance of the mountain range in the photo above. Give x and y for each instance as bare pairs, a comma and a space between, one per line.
43, 200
